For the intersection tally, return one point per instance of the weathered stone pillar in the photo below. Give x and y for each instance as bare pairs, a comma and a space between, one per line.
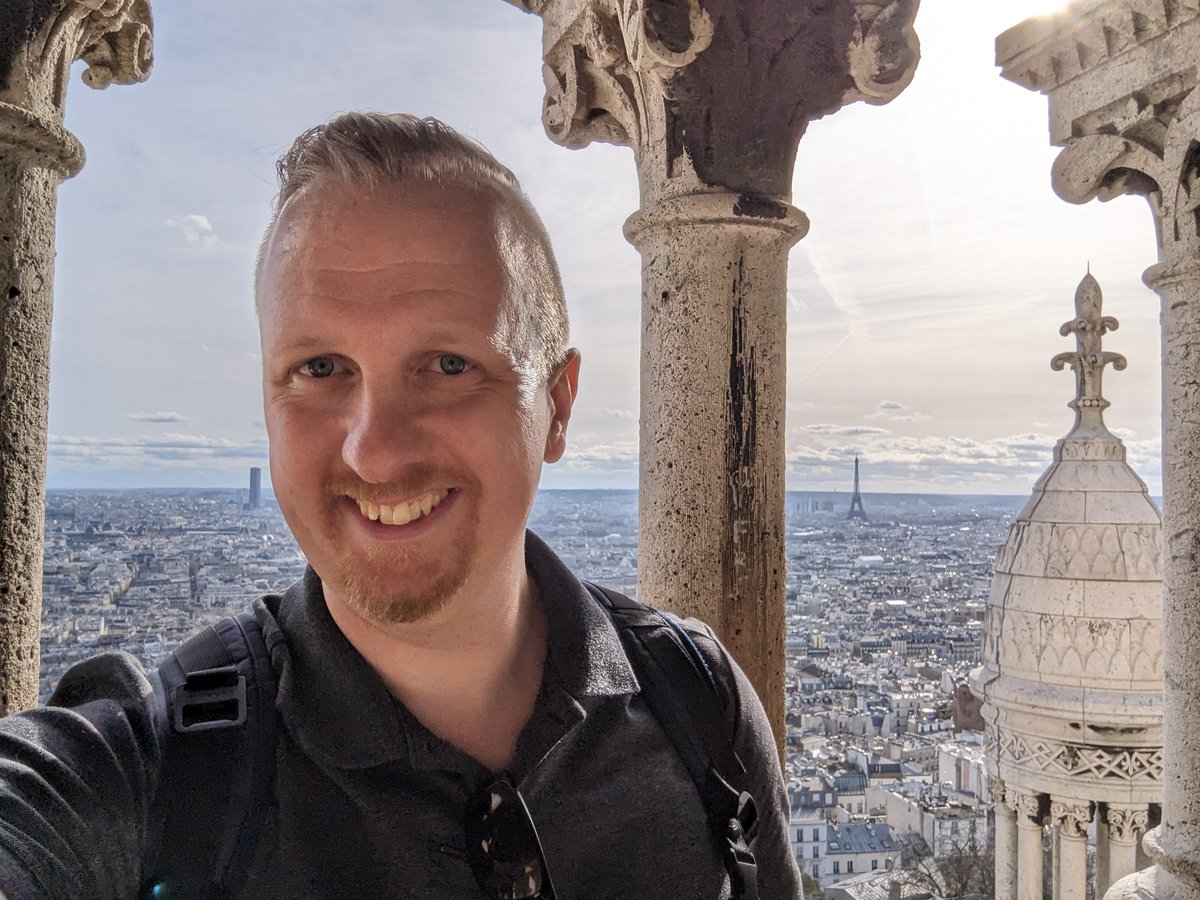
713, 97
1121, 78
1006, 841
1070, 819
1030, 855
1103, 854
1125, 825
39, 40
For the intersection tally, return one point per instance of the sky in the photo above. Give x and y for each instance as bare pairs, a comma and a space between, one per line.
923, 306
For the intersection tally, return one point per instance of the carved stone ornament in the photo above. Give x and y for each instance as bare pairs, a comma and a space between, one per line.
999, 797
718, 89
1073, 647
1126, 823
1025, 804
1071, 817
114, 37
1121, 78
38, 44
1054, 49
1137, 766
1143, 145
1089, 359
609, 62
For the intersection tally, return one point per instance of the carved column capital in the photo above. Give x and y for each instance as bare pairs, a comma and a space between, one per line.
997, 790
1126, 822
716, 93
1120, 134
1070, 816
1027, 806
39, 41
1151, 153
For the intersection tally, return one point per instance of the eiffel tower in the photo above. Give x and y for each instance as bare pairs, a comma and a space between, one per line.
856, 507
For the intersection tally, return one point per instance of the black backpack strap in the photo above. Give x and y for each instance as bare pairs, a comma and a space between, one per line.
679, 687
216, 699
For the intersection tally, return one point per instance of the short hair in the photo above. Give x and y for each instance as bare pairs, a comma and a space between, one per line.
377, 150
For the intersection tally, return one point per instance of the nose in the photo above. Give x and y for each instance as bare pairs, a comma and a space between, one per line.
385, 433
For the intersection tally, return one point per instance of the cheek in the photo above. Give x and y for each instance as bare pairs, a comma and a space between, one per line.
534, 426
302, 427
299, 446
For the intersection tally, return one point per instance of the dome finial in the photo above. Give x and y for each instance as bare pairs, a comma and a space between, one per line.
1089, 359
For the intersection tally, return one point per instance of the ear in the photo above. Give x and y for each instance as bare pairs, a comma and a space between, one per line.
561, 388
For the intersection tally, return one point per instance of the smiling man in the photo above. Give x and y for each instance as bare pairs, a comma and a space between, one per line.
456, 715
414, 382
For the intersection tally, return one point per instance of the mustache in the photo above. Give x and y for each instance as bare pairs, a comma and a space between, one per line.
414, 481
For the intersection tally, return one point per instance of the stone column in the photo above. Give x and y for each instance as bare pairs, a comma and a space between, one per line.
1005, 810
39, 40
1055, 865
1030, 855
1126, 823
1121, 76
1103, 854
1070, 819
713, 97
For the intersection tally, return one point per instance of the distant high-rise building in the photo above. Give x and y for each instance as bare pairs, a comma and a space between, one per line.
255, 487
856, 507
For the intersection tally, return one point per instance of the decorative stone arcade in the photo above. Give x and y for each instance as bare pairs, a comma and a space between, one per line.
713, 97
39, 40
1121, 79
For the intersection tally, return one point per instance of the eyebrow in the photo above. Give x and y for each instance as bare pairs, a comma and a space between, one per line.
302, 344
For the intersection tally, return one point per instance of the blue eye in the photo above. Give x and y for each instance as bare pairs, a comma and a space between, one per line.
319, 367
451, 364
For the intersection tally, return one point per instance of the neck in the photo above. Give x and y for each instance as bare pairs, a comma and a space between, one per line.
471, 672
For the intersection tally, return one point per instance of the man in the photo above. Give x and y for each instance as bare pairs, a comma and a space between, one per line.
416, 376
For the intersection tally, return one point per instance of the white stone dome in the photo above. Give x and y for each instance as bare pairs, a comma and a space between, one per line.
1072, 658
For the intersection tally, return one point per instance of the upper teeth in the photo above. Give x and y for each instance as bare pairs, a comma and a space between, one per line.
402, 513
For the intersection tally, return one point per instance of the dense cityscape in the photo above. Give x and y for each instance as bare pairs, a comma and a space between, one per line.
884, 621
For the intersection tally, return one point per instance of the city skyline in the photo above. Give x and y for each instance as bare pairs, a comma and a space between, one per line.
923, 305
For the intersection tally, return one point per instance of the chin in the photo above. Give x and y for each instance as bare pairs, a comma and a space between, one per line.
375, 597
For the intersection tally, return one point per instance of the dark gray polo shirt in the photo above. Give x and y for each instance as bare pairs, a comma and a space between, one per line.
369, 803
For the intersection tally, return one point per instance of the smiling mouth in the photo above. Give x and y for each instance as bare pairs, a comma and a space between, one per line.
403, 513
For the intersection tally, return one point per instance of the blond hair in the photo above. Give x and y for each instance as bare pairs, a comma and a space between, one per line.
373, 151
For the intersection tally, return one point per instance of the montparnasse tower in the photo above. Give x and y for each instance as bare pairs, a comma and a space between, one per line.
1072, 676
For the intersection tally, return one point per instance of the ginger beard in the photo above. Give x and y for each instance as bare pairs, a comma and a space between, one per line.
400, 582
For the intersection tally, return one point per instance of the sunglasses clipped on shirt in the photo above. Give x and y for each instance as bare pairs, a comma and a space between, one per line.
503, 846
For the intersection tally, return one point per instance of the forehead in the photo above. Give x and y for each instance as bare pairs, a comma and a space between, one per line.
336, 240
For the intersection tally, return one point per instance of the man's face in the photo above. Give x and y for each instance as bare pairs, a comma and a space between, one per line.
406, 439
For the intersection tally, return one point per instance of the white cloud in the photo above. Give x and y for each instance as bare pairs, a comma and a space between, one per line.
894, 411
168, 450
844, 430
606, 457
158, 417
1008, 464
195, 230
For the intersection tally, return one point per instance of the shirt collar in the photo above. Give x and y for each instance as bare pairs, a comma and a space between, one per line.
585, 649
341, 714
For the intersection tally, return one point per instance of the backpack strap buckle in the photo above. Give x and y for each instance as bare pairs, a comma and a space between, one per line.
212, 698
743, 873
739, 860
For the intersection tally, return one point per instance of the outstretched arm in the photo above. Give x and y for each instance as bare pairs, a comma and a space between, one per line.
76, 781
